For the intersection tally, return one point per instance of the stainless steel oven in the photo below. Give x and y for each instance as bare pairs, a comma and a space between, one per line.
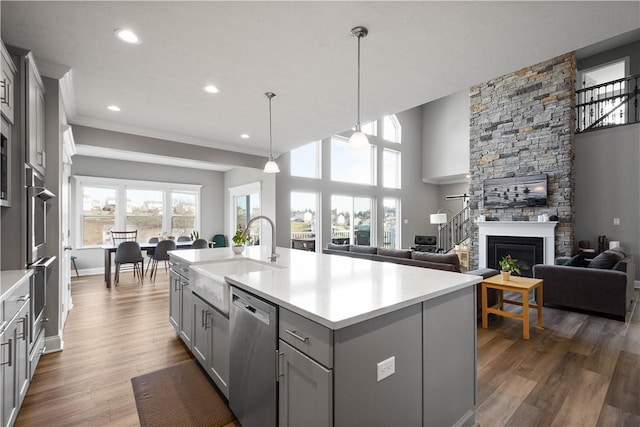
41, 272
37, 196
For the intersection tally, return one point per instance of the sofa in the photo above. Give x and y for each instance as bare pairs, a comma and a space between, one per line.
603, 285
437, 261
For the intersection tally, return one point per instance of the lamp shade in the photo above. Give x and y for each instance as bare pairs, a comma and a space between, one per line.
358, 141
438, 218
271, 167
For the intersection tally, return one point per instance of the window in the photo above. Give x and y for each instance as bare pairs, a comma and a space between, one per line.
183, 213
245, 204
391, 238
304, 219
105, 204
391, 129
370, 128
144, 213
391, 168
305, 161
351, 220
98, 215
353, 166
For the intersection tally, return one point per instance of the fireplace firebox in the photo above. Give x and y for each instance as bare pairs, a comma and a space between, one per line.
527, 250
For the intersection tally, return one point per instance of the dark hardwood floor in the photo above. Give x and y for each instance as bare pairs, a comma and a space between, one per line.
581, 370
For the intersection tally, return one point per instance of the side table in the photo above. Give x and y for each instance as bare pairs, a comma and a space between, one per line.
521, 285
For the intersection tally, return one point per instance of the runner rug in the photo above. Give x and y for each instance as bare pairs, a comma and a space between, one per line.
180, 395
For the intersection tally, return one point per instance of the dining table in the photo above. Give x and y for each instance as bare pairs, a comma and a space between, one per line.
110, 249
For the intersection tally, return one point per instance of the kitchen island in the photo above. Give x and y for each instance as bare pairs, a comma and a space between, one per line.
359, 342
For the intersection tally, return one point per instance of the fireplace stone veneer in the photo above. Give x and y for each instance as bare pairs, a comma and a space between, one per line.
544, 230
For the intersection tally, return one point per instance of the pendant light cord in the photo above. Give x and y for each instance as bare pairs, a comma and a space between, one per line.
358, 121
270, 95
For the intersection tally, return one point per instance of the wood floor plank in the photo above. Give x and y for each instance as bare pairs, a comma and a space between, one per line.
503, 402
611, 416
624, 391
583, 404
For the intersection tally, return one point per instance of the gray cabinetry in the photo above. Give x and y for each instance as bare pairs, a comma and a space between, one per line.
180, 303
35, 117
305, 391
7, 85
14, 351
210, 341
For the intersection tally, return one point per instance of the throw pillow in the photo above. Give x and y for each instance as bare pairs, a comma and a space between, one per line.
606, 260
439, 258
577, 261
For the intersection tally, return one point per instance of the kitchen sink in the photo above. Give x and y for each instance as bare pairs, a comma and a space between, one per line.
208, 280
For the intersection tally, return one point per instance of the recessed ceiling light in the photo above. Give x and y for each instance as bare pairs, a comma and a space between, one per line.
127, 36
113, 108
244, 136
211, 89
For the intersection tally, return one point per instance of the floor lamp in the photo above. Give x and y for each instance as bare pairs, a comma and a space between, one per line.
440, 218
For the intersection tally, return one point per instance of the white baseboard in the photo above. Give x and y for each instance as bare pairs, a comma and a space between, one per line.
53, 344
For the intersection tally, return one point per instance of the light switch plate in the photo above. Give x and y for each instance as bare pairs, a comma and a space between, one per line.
616, 221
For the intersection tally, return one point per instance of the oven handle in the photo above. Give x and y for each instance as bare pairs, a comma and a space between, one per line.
43, 262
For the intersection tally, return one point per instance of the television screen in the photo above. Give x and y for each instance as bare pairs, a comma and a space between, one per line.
515, 192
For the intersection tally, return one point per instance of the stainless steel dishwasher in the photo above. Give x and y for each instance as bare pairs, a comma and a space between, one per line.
252, 363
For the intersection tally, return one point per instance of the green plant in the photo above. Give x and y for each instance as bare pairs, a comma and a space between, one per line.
239, 238
195, 235
509, 264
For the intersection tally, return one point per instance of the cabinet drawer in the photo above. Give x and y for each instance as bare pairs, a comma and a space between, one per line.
309, 337
14, 300
182, 268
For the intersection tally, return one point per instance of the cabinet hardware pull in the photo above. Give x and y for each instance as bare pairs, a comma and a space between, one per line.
23, 298
296, 336
43, 350
206, 319
9, 343
44, 320
4, 99
279, 355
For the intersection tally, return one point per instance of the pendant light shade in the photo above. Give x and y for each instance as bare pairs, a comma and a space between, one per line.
271, 166
358, 140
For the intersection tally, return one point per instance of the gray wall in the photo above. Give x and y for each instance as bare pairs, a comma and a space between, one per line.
445, 139
418, 199
444, 190
631, 50
212, 193
607, 178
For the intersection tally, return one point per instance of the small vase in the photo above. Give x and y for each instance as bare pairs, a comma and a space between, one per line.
237, 249
506, 276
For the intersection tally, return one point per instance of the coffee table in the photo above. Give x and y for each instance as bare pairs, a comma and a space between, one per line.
521, 285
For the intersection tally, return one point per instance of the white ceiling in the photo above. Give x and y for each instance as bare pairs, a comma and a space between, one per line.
415, 52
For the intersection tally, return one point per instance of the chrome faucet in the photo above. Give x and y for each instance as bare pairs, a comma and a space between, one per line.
274, 256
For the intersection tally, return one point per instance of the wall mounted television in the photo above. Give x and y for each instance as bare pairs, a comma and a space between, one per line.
526, 191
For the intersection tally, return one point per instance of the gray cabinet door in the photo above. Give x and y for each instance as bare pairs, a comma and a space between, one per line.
22, 353
219, 333
200, 340
8, 374
175, 290
186, 312
305, 392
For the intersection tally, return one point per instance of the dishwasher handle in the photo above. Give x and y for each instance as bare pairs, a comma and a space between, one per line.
247, 308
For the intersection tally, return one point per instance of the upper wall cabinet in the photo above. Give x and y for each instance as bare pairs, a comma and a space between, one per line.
35, 116
7, 84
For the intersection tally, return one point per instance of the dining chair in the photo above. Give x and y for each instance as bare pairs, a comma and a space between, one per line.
219, 241
124, 236
184, 239
150, 252
129, 253
161, 254
200, 244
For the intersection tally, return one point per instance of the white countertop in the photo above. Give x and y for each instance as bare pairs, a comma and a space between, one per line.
11, 278
333, 290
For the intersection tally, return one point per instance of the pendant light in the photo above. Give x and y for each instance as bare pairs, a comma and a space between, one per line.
271, 166
358, 140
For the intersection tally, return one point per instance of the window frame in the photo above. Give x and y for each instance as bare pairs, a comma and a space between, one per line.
121, 186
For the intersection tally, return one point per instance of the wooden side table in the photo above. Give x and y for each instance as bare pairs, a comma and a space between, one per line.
521, 285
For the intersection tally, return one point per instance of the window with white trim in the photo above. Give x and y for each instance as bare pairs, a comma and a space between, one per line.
391, 129
352, 166
305, 160
151, 208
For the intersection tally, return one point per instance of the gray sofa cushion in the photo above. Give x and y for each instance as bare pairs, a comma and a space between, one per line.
451, 259
338, 247
363, 249
576, 261
398, 253
606, 260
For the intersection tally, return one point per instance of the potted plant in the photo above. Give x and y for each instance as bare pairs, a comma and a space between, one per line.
195, 235
239, 240
508, 265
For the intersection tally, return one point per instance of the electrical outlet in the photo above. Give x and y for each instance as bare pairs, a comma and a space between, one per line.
616, 221
386, 367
